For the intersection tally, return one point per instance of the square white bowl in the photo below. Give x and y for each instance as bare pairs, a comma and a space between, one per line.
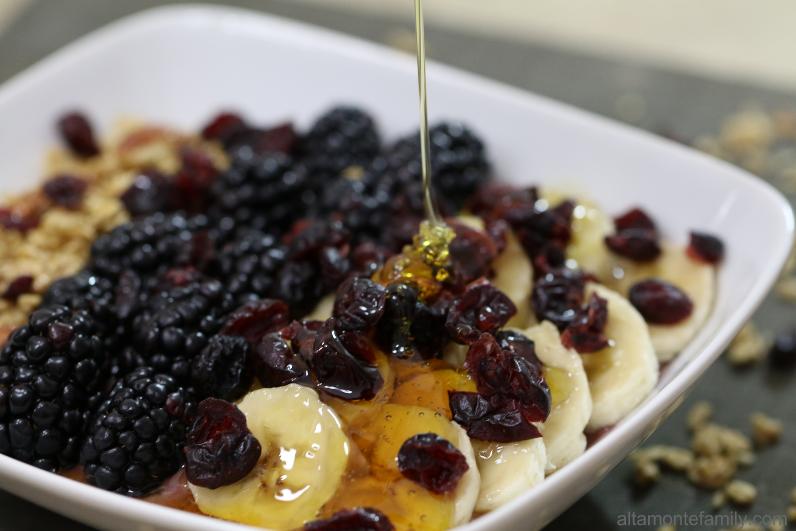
178, 65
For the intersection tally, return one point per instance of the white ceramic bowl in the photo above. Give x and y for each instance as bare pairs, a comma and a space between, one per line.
178, 65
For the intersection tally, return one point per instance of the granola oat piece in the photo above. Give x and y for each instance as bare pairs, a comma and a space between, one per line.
718, 499
645, 472
766, 430
748, 347
785, 288
741, 492
777, 525
791, 512
715, 440
699, 415
712, 472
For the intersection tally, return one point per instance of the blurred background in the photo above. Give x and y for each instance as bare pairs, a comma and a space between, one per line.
716, 74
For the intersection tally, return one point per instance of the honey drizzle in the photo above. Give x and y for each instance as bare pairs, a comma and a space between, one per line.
425, 141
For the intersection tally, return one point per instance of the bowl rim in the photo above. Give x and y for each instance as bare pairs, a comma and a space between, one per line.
634, 426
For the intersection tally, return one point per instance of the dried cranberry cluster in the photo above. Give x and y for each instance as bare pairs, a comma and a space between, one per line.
559, 297
636, 237
512, 393
543, 230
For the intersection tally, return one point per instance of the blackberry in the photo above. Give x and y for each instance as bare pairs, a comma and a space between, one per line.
363, 209
51, 370
84, 291
150, 244
458, 163
249, 264
342, 138
175, 324
134, 441
264, 193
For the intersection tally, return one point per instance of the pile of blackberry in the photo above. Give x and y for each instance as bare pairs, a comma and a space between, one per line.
107, 369
51, 373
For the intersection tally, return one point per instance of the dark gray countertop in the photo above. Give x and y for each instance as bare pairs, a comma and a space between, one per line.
684, 104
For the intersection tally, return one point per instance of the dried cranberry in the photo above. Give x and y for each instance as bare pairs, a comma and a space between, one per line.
78, 134
639, 245
277, 363
19, 286
586, 332
660, 302
223, 368
358, 519
222, 126
308, 237
471, 254
338, 370
278, 139
297, 283
66, 191
507, 376
400, 231
783, 351
635, 218
494, 200
500, 422
432, 461
557, 296
219, 449
519, 345
498, 230
481, 308
150, 192
539, 229
368, 257
194, 179
257, 318
181, 276
706, 247
13, 220
359, 303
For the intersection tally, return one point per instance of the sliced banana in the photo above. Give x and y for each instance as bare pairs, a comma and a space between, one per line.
466, 494
695, 278
563, 370
322, 310
304, 455
590, 225
513, 272
406, 502
514, 277
507, 470
622, 374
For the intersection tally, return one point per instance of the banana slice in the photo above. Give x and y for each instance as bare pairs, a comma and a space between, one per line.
322, 310
622, 374
507, 470
563, 370
466, 495
590, 225
696, 279
407, 504
304, 456
513, 273
514, 277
